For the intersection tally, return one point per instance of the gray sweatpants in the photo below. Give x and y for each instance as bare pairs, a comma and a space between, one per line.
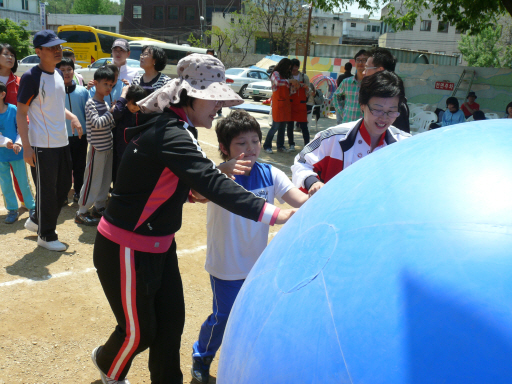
97, 179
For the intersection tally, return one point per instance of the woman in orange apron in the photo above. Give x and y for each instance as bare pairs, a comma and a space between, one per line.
299, 109
281, 105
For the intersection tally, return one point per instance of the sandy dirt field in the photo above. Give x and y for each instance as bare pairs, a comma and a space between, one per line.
53, 310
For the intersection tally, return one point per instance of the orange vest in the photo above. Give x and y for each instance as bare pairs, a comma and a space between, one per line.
299, 106
281, 106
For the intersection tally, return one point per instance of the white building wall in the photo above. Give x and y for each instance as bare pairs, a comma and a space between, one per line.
13, 9
429, 41
105, 22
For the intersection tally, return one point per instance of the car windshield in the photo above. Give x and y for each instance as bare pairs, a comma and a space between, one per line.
234, 71
133, 63
101, 62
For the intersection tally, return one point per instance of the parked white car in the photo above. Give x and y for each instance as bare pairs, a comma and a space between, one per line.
259, 90
88, 73
31, 61
239, 78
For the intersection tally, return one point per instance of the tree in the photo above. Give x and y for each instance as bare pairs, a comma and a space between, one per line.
59, 6
487, 49
96, 7
466, 15
17, 36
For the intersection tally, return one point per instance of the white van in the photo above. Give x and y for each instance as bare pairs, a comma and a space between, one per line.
174, 53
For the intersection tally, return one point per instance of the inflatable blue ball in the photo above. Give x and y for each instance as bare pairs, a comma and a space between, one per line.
398, 271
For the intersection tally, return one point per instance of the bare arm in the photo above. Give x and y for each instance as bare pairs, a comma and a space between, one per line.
75, 124
295, 197
21, 120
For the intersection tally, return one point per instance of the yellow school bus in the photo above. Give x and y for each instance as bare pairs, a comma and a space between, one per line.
90, 44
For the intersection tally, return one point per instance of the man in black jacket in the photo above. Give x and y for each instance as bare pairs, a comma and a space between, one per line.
381, 59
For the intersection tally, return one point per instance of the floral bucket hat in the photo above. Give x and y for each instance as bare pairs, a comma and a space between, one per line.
202, 76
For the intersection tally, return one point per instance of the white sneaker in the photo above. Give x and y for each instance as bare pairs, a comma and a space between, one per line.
54, 245
31, 226
104, 378
292, 148
269, 150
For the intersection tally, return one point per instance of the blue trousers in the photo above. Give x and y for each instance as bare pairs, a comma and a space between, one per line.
20, 171
280, 128
212, 330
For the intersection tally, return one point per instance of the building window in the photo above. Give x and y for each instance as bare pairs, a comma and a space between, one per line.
352, 25
173, 13
375, 28
190, 13
1, 3
137, 11
442, 27
158, 12
24, 5
407, 27
325, 25
232, 20
333, 27
426, 25
368, 28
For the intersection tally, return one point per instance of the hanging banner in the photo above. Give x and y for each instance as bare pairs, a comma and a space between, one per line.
42, 15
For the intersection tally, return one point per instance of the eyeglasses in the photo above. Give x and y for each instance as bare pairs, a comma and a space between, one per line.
361, 61
55, 48
367, 68
379, 113
145, 54
8, 56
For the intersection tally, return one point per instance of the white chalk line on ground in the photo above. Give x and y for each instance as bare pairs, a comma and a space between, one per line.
87, 270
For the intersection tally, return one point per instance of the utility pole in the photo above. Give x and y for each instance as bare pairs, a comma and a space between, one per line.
307, 38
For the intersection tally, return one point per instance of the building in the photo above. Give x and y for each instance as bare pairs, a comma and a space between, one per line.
22, 10
109, 23
428, 34
172, 20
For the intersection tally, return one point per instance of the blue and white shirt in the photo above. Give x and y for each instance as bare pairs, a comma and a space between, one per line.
45, 94
9, 130
233, 242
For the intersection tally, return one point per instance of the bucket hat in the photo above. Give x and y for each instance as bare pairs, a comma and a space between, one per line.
202, 76
472, 94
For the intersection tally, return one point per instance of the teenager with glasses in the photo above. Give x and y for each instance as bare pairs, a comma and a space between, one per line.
336, 148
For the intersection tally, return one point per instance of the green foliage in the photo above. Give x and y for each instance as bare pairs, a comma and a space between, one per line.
466, 15
371, 6
97, 7
17, 36
59, 6
486, 49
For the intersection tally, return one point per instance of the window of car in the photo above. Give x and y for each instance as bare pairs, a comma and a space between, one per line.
253, 75
264, 76
100, 63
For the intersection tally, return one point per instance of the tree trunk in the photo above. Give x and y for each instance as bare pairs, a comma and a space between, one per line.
508, 5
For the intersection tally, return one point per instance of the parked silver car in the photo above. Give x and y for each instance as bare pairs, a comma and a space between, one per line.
31, 61
239, 78
259, 90
88, 73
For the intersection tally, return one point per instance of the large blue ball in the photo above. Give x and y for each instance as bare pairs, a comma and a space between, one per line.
398, 271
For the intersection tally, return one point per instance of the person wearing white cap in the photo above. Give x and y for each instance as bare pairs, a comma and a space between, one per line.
135, 252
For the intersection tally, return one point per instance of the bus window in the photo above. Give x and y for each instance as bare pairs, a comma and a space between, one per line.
135, 53
106, 42
77, 36
173, 56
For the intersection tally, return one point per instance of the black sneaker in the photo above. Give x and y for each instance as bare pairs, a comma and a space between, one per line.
76, 197
86, 219
201, 369
97, 213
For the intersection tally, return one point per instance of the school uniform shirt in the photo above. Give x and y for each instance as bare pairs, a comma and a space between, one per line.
233, 242
450, 118
45, 94
8, 130
76, 98
99, 123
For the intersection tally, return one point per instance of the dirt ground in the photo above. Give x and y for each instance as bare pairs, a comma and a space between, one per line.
54, 311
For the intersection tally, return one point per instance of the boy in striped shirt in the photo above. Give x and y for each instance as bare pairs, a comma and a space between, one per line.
98, 171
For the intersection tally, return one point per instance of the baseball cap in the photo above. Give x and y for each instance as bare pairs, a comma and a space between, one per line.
121, 43
47, 38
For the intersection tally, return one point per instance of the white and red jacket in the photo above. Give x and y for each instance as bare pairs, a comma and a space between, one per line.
336, 148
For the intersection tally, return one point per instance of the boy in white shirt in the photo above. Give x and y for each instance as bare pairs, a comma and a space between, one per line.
233, 242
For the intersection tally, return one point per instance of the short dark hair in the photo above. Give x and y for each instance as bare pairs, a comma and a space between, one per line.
113, 68
3, 87
104, 73
361, 52
479, 115
236, 123
158, 54
383, 84
66, 61
10, 49
210, 50
348, 66
382, 57
508, 106
135, 93
185, 100
453, 101
68, 54
295, 63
